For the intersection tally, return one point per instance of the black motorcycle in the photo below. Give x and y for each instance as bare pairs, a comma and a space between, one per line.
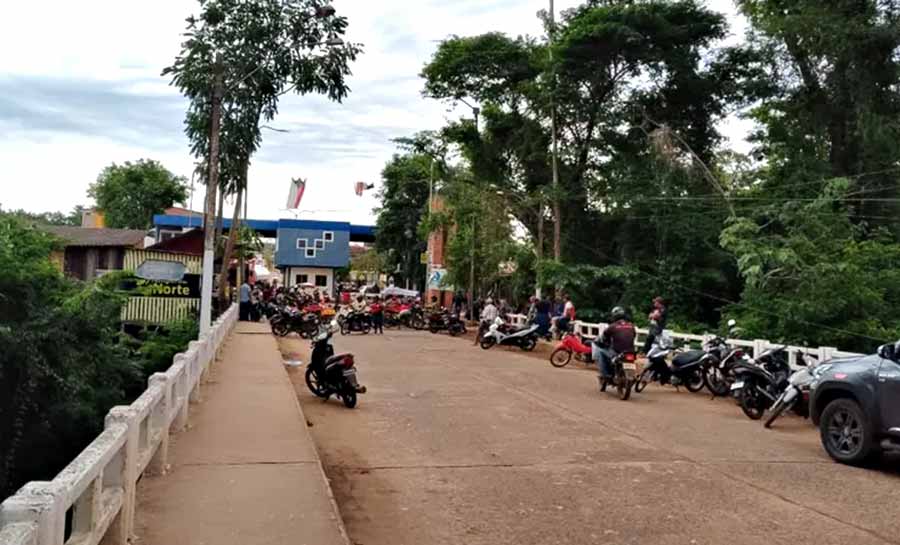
287, 321
624, 367
446, 321
759, 382
329, 374
356, 321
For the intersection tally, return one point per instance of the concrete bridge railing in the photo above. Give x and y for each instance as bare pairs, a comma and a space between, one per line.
756, 346
96, 491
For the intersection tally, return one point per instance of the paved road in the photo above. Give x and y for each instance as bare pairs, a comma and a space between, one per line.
456, 445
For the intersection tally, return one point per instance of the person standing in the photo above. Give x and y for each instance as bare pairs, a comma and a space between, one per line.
377, 311
244, 307
658, 318
488, 315
568, 316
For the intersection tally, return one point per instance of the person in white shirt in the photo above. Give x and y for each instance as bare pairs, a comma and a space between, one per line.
488, 315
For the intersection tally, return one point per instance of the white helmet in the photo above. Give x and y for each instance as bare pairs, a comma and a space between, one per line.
489, 301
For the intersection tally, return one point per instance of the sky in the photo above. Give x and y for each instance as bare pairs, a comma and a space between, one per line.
80, 88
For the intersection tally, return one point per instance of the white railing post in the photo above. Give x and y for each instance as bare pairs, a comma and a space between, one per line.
182, 392
759, 346
196, 366
41, 503
159, 424
122, 527
826, 353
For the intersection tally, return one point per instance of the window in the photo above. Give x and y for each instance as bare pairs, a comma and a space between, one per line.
301, 243
321, 281
310, 252
302, 278
320, 244
328, 236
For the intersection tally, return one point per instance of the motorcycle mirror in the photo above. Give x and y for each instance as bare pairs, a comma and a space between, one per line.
887, 351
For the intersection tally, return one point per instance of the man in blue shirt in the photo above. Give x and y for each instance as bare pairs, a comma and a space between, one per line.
244, 309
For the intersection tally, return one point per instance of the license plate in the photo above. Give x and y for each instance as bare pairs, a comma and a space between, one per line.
629, 366
737, 385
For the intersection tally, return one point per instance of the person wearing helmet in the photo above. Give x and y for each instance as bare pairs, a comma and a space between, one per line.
618, 337
488, 315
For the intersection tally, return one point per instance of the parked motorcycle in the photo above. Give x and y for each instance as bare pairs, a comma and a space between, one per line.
571, 344
686, 369
446, 321
329, 374
289, 320
719, 361
525, 338
759, 382
412, 317
356, 321
796, 396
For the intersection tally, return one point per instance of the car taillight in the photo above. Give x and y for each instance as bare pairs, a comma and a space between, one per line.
629, 357
348, 361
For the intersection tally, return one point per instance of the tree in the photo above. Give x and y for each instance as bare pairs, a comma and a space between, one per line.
404, 203
130, 194
73, 218
259, 50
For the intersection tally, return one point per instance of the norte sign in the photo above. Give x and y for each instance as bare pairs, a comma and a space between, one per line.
162, 279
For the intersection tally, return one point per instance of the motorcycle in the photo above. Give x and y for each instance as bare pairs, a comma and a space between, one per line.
719, 361
289, 320
624, 370
329, 374
525, 338
686, 369
444, 320
356, 321
412, 317
796, 395
759, 382
571, 344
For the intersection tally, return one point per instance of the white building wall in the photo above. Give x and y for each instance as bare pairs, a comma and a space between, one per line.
292, 274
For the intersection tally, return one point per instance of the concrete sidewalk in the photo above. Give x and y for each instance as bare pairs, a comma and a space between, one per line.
246, 471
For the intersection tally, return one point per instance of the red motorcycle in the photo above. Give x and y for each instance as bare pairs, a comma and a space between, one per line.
572, 343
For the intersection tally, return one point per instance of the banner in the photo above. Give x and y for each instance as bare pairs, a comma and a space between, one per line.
295, 195
187, 287
437, 278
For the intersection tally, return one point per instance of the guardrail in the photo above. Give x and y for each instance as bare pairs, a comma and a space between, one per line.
96, 491
758, 346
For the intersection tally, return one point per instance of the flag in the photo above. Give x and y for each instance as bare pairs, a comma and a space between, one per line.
362, 187
295, 195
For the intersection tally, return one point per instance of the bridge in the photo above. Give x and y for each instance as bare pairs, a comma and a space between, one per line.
452, 444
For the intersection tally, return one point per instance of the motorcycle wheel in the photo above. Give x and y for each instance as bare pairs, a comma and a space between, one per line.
751, 403
434, 328
695, 382
715, 381
280, 329
417, 323
643, 380
345, 328
623, 388
366, 328
779, 407
528, 344
313, 384
487, 343
560, 357
349, 398
454, 331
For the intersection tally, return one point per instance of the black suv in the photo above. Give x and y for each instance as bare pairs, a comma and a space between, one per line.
856, 404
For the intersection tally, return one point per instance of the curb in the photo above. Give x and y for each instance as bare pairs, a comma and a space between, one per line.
334, 506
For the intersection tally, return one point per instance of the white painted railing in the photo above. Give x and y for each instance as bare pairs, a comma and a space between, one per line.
757, 346
99, 485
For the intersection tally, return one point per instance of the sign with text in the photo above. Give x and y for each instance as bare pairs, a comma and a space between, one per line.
187, 287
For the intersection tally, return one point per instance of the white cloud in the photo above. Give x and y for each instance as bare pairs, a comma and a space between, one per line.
83, 90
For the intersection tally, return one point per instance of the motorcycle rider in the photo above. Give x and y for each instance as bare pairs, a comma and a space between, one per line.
618, 337
488, 315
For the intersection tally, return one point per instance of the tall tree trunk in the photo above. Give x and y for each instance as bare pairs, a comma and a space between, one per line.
212, 184
232, 235
219, 215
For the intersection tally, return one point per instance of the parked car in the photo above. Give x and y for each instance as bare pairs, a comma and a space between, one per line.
855, 402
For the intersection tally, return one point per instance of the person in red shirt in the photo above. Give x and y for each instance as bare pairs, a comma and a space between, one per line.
376, 310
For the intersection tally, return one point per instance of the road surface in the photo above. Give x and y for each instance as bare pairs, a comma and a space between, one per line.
455, 445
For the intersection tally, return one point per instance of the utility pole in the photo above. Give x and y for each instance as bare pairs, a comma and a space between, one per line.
556, 212
428, 248
212, 184
471, 297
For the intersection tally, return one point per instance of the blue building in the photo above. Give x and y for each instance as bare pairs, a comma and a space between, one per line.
306, 251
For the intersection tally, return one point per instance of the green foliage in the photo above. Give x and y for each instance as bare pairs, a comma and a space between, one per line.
130, 194
64, 363
157, 347
404, 204
73, 218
